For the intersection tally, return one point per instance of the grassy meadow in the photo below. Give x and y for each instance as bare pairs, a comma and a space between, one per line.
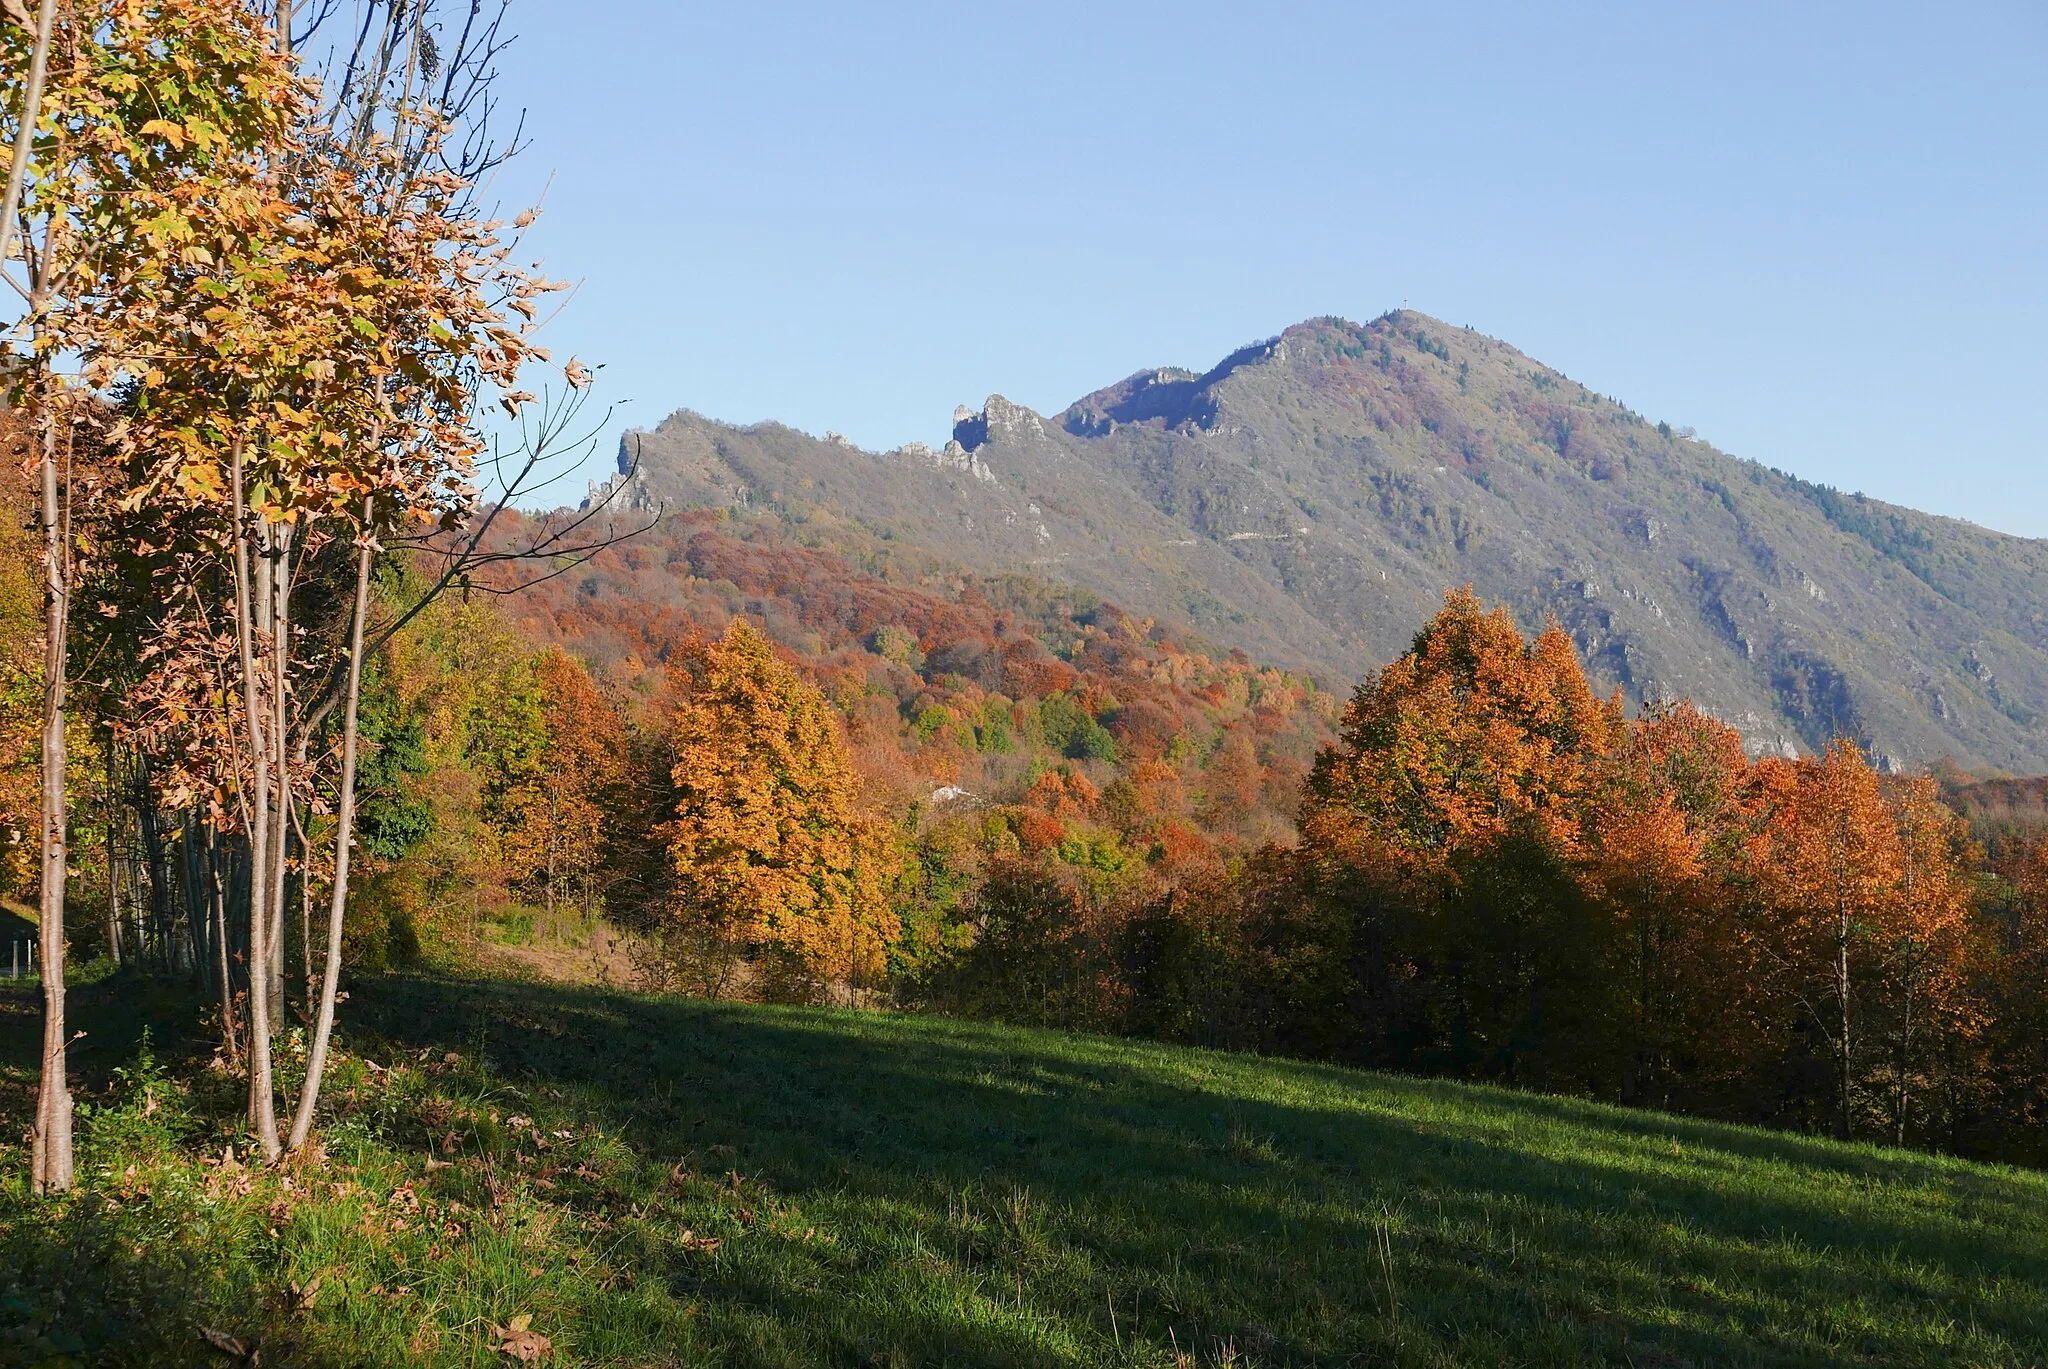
521, 1172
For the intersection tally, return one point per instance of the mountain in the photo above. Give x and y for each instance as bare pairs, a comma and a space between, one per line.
1310, 498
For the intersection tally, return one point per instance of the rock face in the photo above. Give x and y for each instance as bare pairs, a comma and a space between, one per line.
1311, 497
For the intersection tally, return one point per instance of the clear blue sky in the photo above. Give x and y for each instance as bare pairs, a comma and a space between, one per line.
1815, 233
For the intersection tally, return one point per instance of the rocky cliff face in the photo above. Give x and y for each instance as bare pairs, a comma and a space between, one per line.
1310, 498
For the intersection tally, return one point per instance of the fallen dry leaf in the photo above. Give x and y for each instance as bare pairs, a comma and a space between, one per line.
223, 1342
518, 1339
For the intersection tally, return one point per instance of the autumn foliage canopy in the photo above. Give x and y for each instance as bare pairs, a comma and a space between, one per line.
770, 845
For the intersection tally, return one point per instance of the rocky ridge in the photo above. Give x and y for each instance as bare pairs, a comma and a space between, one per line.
1310, 498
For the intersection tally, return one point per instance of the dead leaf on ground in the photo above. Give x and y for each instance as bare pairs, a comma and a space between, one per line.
309, 1293
518, 1339
225, 1343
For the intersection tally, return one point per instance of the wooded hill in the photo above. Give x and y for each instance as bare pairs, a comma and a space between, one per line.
1310, 498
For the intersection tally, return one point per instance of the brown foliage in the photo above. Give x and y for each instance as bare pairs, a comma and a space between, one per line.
770, 845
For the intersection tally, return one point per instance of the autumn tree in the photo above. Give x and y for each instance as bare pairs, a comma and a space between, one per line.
555, 814
137, 119
1457, 790
1044, 951
1665, 823
1924, 942
769, 844
1827, 863
2008, 963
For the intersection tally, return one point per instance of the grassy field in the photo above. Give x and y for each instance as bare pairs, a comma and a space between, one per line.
647, 1182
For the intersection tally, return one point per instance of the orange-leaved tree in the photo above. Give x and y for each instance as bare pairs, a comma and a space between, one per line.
1660, 838
770, 846
1924, 942
1471, 734
1825, 859
555, 838
1459, 784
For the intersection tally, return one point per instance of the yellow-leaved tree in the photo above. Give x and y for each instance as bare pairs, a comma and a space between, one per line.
770, 846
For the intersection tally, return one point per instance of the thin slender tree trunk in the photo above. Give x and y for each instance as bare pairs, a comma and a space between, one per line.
554, 839
345, 815
306, 925
51, 1160
262, 1095
279, 627
31, 113
312, 987
1905, 1062
113, 867
217, 922
264, 873
198, 915
161, 905
1842, 995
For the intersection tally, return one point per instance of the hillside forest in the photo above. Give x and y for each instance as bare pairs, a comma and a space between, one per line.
749, 768
289, 700
1048, 813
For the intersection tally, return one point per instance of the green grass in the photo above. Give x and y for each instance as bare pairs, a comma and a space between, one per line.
913, 1191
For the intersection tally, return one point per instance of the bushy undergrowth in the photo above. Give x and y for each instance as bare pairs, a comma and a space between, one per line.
588, 1177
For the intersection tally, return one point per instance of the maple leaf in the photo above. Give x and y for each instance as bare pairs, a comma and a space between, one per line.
520, 1341
171, 132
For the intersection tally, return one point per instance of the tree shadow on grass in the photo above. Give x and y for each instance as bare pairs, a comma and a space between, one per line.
1174, 1183
997, 1197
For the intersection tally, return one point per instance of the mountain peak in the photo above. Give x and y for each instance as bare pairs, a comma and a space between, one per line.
1311, 496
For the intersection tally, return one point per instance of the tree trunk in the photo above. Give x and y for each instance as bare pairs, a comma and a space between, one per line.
198, 915
1905, 1062
345, 815
31, 113
248, 599
312, 985
554, 838
157, 860
1842, 995
278, 625
113, 866
312, 990
51, 1160
217, 917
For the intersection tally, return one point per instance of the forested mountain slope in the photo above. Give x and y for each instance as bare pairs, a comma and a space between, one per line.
1310, 498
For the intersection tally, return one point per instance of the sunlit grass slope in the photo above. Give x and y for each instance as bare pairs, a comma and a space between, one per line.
668, 1182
